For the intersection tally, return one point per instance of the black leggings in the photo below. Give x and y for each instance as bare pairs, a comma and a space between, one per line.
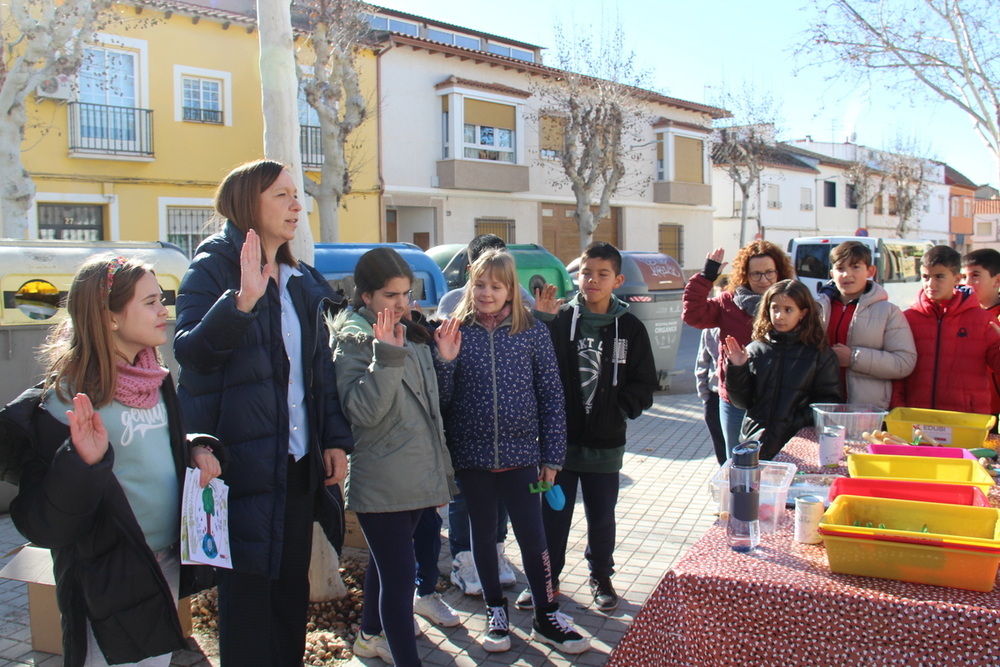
481, 489
388, 604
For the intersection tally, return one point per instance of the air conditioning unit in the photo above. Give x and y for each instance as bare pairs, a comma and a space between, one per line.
58, 87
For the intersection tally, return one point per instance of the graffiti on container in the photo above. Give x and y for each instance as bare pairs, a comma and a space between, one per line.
661, 267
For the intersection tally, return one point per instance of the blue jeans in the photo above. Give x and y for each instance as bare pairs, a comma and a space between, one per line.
732, 421
458, 523
427, 550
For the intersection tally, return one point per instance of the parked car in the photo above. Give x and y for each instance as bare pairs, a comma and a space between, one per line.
897, 263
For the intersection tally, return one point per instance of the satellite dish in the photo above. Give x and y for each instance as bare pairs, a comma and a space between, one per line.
854, 137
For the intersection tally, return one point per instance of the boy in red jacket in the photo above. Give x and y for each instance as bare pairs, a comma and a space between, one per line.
956, 340
981, 270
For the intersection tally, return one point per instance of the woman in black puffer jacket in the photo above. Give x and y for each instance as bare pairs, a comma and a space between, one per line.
787, 366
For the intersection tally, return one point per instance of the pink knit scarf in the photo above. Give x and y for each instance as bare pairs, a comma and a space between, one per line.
491, 322
139, 385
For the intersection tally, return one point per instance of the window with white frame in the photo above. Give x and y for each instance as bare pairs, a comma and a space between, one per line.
510, 52
203, 95
805, 199
453, 38
689, 159
967, 207
550, 140
187, 226
773, 196
687, 155
488, 131
108, 92
71, 222
984, 228
202, 100
954, 207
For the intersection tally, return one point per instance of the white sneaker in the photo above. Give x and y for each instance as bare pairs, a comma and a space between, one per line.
435, 610
464, 575
375, 646
507, 576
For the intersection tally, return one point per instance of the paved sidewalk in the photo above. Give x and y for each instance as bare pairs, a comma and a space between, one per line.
664, 507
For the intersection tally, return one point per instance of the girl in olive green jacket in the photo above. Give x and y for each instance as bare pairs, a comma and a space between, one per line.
400, 464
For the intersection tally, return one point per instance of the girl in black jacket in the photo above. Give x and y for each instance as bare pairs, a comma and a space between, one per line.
787, 366
101, 455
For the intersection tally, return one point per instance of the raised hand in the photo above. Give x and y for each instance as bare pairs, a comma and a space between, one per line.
86, 430
546, 301
735, 353
448, 339
716, 256
253, 279
386, 332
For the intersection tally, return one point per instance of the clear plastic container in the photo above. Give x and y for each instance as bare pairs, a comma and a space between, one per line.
856, 418
775, 478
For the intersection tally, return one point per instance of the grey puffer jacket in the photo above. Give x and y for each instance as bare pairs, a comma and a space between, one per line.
882, 346
390, 396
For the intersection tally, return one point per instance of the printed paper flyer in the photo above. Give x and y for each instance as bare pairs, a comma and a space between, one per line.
205, 522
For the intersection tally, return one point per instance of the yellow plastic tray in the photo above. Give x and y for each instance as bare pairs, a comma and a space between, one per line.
920, 469
941, 564
945, 524
953, 429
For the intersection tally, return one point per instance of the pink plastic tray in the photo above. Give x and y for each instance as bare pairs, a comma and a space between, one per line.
921, 450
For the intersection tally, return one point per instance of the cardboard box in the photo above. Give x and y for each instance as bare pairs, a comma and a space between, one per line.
353, 537
33, 565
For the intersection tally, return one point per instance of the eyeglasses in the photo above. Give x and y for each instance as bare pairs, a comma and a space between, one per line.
758, 276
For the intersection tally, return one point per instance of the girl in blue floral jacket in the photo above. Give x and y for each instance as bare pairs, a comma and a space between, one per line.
506, 427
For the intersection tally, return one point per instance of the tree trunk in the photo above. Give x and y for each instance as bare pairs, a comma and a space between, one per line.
17, 190
279, 97
329, 214
585, 222
743, 219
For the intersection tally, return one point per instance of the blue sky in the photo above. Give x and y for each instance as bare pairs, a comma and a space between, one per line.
693, 48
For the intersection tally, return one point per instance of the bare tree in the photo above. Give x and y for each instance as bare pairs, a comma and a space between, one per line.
338, 29
742, 145
948, 48
48, 38
905, 170
865, 176
598, 106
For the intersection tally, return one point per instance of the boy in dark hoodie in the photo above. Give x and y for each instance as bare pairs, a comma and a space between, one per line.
609, 375
956, 341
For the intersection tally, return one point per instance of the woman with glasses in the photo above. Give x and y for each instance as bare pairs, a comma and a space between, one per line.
756, 267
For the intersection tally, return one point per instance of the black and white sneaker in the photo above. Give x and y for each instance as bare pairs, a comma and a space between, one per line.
525, 602
497, 635
556, 629
605, 598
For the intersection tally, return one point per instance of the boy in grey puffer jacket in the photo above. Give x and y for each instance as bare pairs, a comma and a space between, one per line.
870, 336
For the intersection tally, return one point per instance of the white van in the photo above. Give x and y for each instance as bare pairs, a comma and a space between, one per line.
897, 262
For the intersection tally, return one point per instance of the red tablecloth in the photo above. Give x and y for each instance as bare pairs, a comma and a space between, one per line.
782, 607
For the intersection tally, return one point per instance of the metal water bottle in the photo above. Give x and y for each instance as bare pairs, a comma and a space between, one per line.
743, 527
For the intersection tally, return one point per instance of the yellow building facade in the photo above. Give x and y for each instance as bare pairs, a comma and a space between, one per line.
166, 104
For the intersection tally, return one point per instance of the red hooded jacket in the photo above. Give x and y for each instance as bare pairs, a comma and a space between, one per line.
955, 344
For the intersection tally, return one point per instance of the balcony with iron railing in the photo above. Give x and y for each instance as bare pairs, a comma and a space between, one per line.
199, 115
311, 146
110, 130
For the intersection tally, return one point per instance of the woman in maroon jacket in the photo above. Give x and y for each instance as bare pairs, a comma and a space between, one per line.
757, 266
